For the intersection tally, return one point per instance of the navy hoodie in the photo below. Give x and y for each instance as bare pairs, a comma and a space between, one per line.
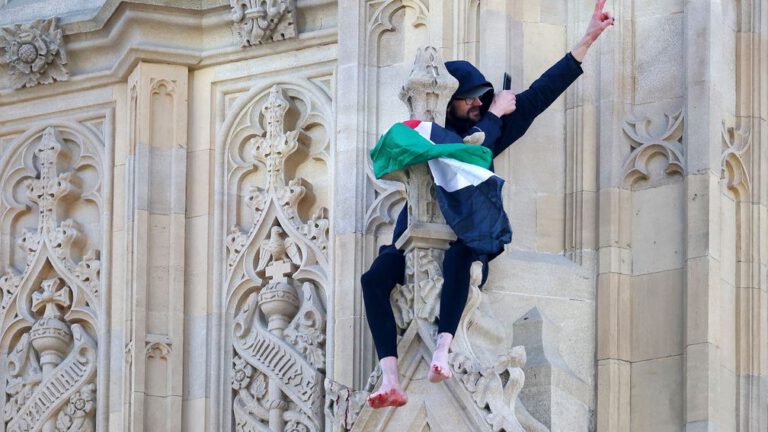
500, 133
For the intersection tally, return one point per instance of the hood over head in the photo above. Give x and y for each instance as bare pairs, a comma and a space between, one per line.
472, 83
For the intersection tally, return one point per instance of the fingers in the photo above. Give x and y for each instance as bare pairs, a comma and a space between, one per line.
599, 5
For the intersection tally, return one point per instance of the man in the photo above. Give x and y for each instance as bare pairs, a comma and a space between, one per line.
503, 118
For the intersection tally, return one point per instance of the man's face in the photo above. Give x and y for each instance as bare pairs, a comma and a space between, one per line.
467, 109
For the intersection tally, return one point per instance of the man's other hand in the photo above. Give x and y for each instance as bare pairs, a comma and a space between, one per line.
504, 102
600, 21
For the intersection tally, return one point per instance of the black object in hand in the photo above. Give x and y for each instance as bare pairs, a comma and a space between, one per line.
507, 82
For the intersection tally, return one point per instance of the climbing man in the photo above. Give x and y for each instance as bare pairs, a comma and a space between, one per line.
503, 117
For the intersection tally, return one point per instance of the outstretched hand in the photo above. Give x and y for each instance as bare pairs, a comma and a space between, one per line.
600, 21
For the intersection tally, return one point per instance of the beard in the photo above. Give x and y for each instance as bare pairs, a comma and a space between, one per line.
460, 124
474, 114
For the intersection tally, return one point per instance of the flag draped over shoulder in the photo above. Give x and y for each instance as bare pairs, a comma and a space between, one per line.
468, 193
402, 146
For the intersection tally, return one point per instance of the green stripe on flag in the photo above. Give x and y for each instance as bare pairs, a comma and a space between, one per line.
402, 146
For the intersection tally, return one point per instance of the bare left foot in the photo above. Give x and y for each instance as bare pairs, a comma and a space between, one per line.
440, 370
390, 394
393, 396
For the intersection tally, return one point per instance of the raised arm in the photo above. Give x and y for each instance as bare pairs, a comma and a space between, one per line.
517, 112
600, 21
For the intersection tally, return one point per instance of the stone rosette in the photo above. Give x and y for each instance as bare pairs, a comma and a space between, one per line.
33, 53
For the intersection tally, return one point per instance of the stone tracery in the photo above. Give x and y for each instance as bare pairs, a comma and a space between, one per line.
49, 311
647, 142
277, 262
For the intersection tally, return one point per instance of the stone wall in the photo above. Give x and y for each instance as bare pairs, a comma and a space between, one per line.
187, 207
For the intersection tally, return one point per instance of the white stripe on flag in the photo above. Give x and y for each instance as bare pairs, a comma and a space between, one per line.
424, 129
452, 175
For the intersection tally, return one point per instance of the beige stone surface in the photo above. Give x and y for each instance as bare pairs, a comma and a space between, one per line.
657, 394
178, 196
657, 318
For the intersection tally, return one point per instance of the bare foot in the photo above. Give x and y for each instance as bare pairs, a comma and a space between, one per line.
390, 393
440, 370
394, 397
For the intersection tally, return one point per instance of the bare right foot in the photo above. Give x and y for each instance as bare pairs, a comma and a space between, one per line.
440, 370
390, 393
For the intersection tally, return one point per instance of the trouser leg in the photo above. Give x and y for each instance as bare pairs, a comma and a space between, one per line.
387, 270
456, 264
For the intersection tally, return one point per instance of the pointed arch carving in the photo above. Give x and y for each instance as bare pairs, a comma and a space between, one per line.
276, 148
468, 31
383, 11
389, 199
388, 196
51, 218
648, 140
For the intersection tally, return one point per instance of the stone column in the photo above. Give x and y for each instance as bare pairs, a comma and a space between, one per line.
707, 100
614, 223
749, 130
155, 232
426, 94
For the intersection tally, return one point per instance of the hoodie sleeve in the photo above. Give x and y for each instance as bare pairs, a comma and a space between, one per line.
490, 125
532, 102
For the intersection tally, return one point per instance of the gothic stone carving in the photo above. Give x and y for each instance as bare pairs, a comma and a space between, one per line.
736, 142
651, 138
260, 21
426, 94
495, 387
276, 263
33, 53
429, 87
49, 312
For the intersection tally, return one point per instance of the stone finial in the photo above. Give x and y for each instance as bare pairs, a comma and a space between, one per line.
429, 88
426, 94
51, 185
33, 53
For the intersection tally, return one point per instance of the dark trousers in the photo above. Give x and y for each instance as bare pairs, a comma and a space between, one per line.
388, 270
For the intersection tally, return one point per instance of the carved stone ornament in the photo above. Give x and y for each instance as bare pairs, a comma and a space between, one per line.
736, 143
49, 311
33, 53
277, 263
261, 21
495, 386
651, 138
429, 87
267, 147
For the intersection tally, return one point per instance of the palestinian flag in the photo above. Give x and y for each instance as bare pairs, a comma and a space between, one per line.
468, 193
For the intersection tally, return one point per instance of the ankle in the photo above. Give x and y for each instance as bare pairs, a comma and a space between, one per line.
443, 342
389, 371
